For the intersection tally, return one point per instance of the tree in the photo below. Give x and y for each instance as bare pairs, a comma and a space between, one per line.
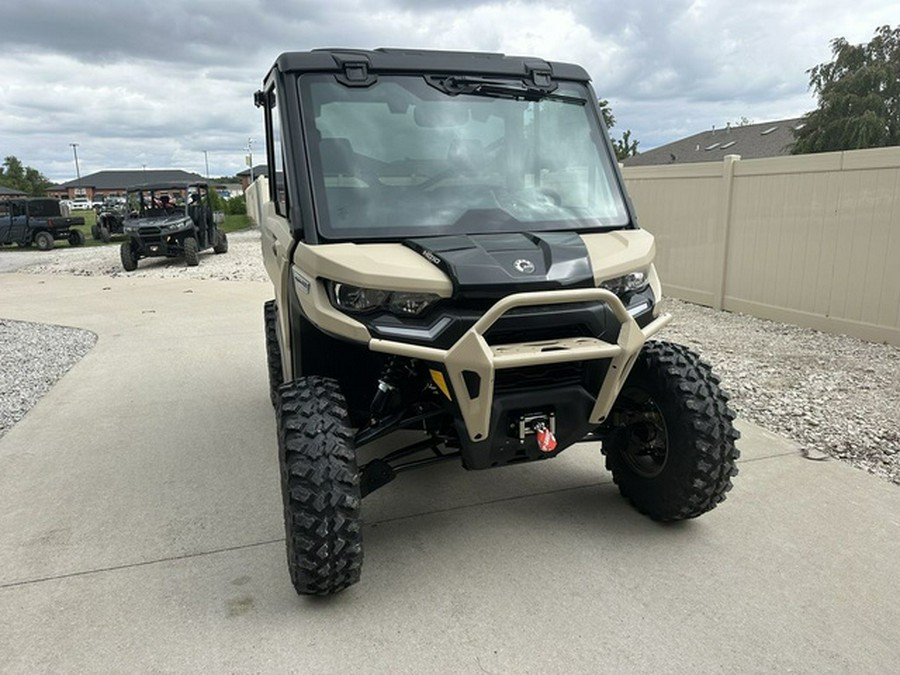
624, 147
13, 174
859, 97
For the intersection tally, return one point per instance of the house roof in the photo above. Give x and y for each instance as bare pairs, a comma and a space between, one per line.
258, 170
751, 141
121, 180
169, 185
261, 170
11, 192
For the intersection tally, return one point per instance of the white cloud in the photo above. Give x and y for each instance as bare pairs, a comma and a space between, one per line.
158, 81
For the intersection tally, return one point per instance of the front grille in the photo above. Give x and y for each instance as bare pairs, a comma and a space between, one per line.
545, 376
150, 234
499, 335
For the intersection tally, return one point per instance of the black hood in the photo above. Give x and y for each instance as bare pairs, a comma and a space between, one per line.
497, 265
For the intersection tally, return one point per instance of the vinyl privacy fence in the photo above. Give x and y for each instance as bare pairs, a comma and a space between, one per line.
812, 240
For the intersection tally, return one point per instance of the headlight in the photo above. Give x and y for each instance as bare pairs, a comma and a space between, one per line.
411, 304
356, 299
628, 283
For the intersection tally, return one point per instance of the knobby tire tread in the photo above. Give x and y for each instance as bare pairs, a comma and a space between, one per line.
191, 252
701, 436
320, 487
273, 351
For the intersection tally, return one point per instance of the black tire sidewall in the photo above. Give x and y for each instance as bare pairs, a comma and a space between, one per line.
221, 245
129, 260
43, 241
191, 253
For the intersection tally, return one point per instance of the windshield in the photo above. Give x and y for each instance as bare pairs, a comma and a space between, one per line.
404, 157
157, 202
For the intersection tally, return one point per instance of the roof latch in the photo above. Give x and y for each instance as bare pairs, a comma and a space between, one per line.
356, 74
542, 79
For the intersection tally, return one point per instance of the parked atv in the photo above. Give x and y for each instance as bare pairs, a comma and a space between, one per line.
38, 221
458, 256
110, 220
172, 220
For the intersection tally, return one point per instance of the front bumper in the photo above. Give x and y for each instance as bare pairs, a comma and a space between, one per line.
471, 363
148, 245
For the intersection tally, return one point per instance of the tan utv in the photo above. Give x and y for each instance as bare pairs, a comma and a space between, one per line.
453, 252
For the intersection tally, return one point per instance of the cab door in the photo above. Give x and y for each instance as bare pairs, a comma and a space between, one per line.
17, 223
272, 211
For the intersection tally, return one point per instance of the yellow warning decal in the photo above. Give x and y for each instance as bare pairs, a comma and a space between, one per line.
438, 378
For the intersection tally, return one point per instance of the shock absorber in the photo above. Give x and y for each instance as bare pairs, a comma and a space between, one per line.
392, 373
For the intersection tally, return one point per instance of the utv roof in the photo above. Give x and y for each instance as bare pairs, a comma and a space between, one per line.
171, 185
384, 60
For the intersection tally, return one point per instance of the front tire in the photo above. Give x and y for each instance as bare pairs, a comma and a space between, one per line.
76, 238
320, 487
672, 451
221, 245
191, 254
95, 232
105, 234
126, 253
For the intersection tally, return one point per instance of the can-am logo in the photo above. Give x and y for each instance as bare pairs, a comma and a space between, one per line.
523, 266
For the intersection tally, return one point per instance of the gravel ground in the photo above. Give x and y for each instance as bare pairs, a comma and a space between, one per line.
242, 262
33, 357
832, 394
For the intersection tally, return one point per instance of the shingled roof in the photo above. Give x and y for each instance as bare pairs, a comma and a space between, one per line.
10, 192
751, 141
122, 180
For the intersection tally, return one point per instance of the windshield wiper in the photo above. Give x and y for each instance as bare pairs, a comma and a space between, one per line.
512, 89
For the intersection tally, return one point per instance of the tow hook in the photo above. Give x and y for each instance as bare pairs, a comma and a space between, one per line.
543, 426
546, 439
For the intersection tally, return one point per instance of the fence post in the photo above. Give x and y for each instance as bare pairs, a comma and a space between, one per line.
724, 222
262, 195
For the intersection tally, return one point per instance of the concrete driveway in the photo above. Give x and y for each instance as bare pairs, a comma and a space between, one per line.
140, 530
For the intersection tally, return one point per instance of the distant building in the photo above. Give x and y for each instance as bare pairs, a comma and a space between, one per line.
10, 193
751, 141
259, 170
116, 183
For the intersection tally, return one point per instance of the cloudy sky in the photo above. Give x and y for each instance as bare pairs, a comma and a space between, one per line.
157, 82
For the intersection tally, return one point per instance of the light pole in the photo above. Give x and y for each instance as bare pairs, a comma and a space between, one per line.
206, 159
77, 170
250, 158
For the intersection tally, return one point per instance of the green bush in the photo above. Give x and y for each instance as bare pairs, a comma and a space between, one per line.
216, 201
236, 206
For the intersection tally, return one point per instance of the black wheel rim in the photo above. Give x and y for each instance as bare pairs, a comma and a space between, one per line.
646, 439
